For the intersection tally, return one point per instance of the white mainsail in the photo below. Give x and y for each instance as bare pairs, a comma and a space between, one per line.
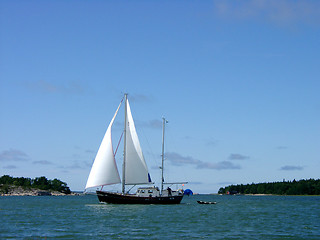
104, 170
136, 171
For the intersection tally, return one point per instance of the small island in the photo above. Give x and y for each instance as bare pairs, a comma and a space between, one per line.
301, 187
39, 186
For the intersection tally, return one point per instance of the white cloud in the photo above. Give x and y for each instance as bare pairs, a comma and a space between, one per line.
179, 160
13, 155
154, 124
10, 167
282, 147
45, 86
77, 165
291, 168
42, 162
211, 142
276, 11
236, 156
223, 165
140, 98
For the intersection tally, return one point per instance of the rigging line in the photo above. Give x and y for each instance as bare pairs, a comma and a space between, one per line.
122, 100
118, 144
149, 147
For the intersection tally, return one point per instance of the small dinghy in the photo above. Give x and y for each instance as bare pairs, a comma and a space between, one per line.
203, 202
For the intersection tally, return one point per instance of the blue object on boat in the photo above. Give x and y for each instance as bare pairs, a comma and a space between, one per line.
188, 192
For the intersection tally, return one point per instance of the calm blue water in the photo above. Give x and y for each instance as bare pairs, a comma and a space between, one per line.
233, 217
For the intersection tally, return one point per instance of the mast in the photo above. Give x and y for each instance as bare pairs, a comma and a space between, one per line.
162, 155
124, 145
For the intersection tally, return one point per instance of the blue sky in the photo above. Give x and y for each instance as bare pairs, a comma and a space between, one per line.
237, 80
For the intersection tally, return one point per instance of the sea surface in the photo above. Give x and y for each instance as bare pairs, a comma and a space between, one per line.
233, 217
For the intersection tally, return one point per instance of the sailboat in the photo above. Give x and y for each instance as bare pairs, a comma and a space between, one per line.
104, 170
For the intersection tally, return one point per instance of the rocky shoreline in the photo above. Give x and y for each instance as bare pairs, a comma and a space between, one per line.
19, 191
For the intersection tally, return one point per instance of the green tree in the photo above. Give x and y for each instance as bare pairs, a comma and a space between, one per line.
41, 183
301, 187
60, 186
6, 179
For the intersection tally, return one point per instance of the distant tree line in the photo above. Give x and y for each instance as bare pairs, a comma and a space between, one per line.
301, 187
41, 183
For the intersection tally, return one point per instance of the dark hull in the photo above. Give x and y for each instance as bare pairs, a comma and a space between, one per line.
116, 198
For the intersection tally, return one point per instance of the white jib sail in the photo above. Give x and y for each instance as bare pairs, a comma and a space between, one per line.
104, 170
136, 168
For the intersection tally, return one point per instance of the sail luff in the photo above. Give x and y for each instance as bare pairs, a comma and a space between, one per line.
104, 170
